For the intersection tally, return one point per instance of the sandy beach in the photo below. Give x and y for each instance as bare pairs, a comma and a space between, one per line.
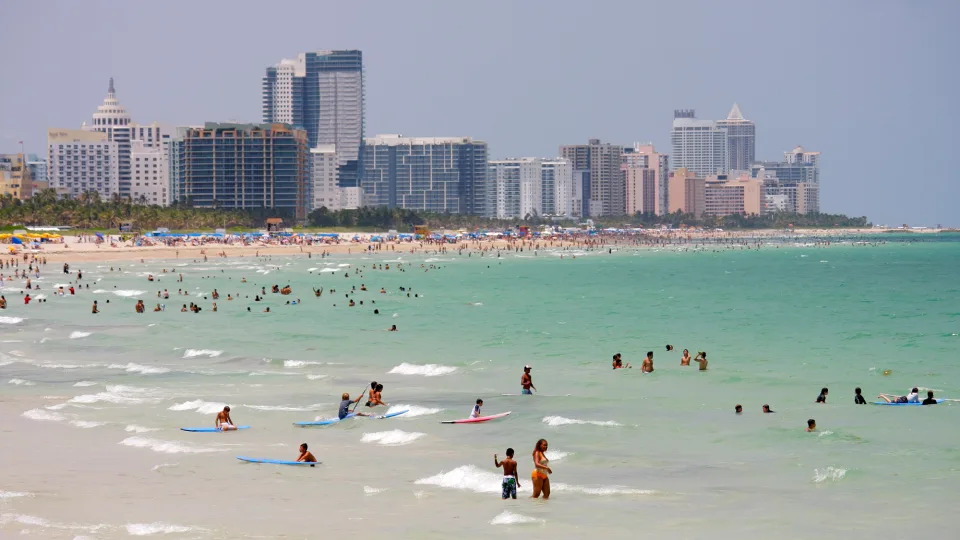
83, 249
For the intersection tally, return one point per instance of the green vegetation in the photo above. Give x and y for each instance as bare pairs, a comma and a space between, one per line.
90, 212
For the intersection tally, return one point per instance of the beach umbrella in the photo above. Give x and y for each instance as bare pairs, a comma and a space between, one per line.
15, 240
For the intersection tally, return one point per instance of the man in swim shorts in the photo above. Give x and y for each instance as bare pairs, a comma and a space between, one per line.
224, 422
647, 365
510, 479
345, 403
526, 381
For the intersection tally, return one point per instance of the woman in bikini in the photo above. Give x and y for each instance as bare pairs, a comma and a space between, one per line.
541, 480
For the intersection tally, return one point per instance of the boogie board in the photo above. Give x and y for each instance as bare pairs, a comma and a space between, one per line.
329, 421
915, 403
476, 420
210, 429
276, 461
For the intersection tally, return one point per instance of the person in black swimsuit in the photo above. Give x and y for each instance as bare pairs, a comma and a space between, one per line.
858, 398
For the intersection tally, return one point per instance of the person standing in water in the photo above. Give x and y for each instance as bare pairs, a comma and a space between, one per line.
858, 397
224, 422
685, 359
510, 479
647, 365
526, 381
702, 360
541, 471
811, 425
822, 398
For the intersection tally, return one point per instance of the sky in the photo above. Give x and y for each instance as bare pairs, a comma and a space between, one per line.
866, 83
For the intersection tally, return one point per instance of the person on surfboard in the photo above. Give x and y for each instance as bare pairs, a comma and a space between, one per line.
526, 381
305, 454
224, 422
345, 403
475, 413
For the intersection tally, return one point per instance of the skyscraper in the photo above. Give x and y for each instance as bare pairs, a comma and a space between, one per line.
741, 140
699, 146
795, 181
518, 185
432, 174
322, 92
598, 179
237, 166
644, 156
556, 177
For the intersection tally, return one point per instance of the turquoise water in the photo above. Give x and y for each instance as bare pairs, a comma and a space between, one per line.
634, 455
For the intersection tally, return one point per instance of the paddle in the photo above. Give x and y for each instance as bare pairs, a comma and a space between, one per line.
358, 401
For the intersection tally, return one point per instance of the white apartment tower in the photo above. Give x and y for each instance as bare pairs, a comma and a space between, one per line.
79, 161
323, 176
557, 184
518, 186
700, 146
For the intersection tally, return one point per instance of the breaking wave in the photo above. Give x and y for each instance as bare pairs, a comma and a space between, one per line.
427, 370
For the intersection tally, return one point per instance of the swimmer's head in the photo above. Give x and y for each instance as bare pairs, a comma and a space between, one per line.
915, 391
509, 452
811, 423
226, 408
738, 409
669, 347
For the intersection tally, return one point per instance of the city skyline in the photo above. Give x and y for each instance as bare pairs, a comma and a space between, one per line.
812, 83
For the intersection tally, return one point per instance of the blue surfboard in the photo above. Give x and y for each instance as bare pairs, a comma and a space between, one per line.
329, 421
276, 461
210, 429
915, 403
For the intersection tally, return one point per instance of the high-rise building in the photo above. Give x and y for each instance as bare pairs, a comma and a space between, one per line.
687, 192
644, 156
323, 93
323, 178
149, 175
598, 178
17, 178
742, 195
518, 184
699, 146
791, 185
556, 183
38, 168
642, 191
243, 166
741, 140
432, 174
81, 160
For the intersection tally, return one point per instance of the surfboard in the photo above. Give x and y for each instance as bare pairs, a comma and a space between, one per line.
476, 420
917, 403
210, 429
329, 421
276, 461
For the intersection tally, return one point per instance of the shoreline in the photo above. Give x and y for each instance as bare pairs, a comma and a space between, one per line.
75, 249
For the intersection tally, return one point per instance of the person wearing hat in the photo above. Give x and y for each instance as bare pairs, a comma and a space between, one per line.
526, 381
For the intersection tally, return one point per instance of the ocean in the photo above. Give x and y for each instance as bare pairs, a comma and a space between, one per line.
92, 404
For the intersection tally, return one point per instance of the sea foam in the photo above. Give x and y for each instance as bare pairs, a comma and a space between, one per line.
166, 447
134, 428
145, 529
138, 368
11, 320
192, 353
830, 473
509, 518
393, 437
117, 394
21, 382
471, 478
129, 293
428, 370
41, 414
562, 421
13, 494
203, 407
86, 424
78, 335
412, 410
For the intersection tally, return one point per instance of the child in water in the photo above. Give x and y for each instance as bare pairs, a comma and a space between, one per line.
510, 479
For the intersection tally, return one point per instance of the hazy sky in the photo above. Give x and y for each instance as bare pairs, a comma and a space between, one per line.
872, 84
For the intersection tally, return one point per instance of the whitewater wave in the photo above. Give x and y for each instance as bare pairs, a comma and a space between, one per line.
509, 518
35, 521
471, 478
563, 421
41, 414
193, 353
85, 383
300, 363
393, 437
295, 408
427, 370
129, 292
11, 320
166, 447
134, 428
118, 394
367, 490
14, 494
412, 410
315, 377
21, 382
203, 407
830, 473
86, 424
138, 368
163, 466
145, 529
78, 334
556, 455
